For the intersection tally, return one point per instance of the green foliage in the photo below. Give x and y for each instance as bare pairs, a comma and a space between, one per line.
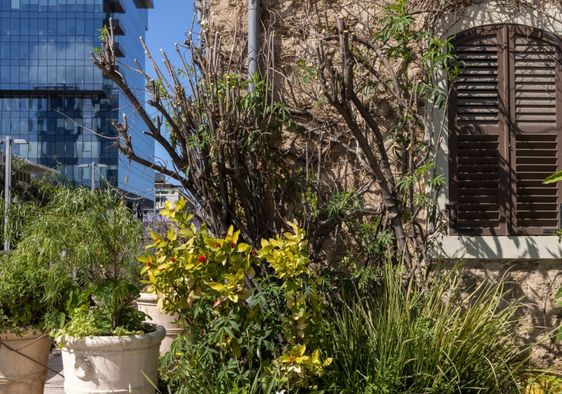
196, 363
188, 264
18, 215
22, 286
397, 30
76, 258
239, 326
27, 197
368, 243
110, 314
402, 340
83, 230
402, 40
22, 280
544, 382
439, 61
287, 255
342, 204
556, 177
419, 186
312, 203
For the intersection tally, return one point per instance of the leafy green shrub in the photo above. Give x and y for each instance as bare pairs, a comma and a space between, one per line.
403, 340
22, 280
243, 330
197, 362
103, 309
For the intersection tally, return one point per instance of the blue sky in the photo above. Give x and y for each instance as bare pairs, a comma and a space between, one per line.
167, 24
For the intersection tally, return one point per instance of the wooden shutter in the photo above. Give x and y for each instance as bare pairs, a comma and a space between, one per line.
477, 135
536, 125
505, 123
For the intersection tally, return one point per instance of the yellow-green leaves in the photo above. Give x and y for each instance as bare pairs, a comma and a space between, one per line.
287, 254
189, 268
296, 361
171, 235
188, 264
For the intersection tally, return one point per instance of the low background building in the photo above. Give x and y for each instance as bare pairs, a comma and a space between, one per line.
165, 191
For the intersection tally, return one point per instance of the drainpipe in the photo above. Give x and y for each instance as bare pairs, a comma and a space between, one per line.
253, 37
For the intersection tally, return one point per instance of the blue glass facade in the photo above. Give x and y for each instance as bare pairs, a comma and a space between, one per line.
53, 96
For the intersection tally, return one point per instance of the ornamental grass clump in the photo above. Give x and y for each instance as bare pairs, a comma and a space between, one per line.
441, 340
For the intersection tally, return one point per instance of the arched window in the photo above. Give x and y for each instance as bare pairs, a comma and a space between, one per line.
505, 132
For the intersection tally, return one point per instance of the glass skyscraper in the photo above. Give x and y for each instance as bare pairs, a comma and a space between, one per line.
53, 96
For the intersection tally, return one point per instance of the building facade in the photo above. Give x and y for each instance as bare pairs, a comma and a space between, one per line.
53, 96
166, 192
498, 138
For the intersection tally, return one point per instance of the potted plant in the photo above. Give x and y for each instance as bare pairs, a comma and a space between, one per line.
26, 307
106, 346
89, 242
151, 305
24, 343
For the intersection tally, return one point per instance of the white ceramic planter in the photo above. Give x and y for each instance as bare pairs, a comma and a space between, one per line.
116, 364
148, 303
18, 374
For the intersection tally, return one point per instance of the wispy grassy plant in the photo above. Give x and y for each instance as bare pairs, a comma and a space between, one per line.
442, 340
75, 261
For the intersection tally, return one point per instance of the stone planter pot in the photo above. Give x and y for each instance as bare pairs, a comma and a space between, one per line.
18, 373
148, 303
112, 364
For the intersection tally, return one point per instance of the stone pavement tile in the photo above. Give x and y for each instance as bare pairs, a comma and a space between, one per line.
55, 382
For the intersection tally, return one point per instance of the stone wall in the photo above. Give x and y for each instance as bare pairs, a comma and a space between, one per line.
533, 284
294, 29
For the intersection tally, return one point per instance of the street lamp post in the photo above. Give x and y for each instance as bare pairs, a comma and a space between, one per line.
8, 141
93, 166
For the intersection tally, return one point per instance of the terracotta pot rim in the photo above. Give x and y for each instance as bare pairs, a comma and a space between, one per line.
26, 333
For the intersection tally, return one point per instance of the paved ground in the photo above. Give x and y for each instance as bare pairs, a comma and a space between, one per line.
55, 382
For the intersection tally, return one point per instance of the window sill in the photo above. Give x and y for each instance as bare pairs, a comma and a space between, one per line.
500, 248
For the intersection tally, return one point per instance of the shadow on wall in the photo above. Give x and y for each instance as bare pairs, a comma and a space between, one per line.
534, 284
469, 247
524, 247
493, 13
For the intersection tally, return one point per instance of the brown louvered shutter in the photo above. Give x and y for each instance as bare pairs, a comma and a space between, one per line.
477, 140
505, 123
536, 125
